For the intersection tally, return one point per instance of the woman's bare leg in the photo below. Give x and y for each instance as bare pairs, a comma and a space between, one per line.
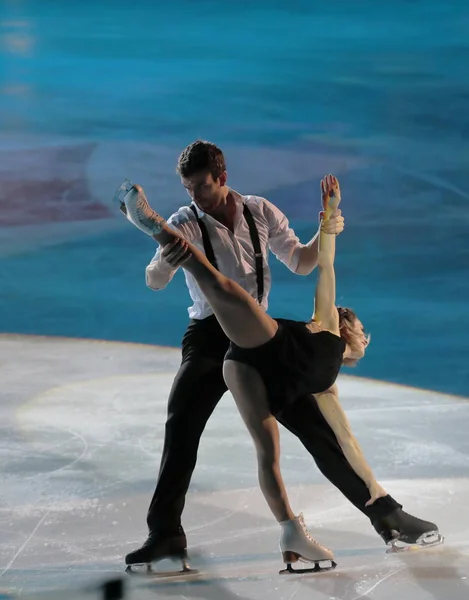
250, 395
241, 318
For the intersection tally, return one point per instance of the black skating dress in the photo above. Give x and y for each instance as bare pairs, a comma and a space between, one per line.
294, 362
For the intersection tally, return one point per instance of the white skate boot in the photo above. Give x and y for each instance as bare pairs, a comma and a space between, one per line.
296, 544
134, 205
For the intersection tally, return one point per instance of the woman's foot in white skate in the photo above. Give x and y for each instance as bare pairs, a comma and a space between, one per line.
296, 544
134, 205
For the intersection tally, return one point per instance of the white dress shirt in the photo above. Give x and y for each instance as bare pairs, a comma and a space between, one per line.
233, 251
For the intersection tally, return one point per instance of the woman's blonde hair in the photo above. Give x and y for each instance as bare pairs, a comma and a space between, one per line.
347, 318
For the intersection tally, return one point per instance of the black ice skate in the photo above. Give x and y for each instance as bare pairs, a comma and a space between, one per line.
400, 531
156, 548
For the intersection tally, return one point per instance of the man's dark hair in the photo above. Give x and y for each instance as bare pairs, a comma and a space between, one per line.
201, 156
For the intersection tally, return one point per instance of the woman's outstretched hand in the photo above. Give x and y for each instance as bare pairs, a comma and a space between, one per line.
330, 195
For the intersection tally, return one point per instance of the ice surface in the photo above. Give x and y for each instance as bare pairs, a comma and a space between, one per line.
82, 426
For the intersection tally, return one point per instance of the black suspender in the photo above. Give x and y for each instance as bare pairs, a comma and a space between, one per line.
256, 244
209, 253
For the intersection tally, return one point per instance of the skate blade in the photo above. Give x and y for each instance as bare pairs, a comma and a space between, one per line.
121, 193
427, 540
319, 567
148, 571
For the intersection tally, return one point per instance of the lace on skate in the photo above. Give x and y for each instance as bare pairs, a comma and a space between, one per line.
136, 208
301, 519
290, 557
145, 213
307, 533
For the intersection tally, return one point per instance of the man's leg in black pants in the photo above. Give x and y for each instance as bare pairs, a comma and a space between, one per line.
197, 389
305, 420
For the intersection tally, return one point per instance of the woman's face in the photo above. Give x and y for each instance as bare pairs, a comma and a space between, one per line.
362, 339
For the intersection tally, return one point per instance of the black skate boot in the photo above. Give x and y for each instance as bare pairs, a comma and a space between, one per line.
158, 547
400, 530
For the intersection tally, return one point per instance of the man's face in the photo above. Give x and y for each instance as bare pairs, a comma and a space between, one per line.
206, 192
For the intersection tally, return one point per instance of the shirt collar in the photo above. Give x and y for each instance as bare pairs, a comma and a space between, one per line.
239, 199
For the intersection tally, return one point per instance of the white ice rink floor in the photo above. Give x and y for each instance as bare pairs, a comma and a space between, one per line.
81, 438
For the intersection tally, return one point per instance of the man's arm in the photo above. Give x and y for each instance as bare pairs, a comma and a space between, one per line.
308, 257
285, 244
159, 272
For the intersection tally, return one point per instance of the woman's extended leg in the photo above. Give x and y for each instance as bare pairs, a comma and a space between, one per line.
250, 395
244, 322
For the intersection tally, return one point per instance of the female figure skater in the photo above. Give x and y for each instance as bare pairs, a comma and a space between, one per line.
271, 362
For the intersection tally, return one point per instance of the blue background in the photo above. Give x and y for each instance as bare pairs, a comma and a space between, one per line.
384, 84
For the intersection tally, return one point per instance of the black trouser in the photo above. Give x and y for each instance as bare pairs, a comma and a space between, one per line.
197, 389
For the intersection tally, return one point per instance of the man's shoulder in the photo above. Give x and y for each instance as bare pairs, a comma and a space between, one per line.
263, 206
258, 204
181, 216
261, 201
252, 199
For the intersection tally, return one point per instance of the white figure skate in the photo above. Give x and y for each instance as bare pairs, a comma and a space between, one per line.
134, 205
296, 544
